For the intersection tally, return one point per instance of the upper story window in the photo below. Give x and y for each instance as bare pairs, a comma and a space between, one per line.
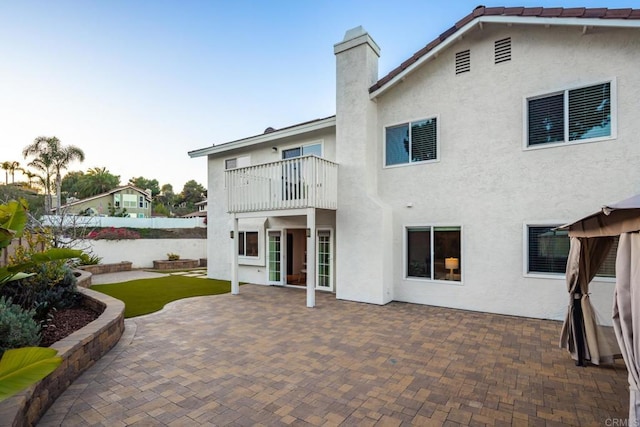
303, 150
129, 200
411, 142
141, 202
573, 115
237, 162
116, 200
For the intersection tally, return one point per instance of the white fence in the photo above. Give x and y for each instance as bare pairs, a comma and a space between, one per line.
112, 221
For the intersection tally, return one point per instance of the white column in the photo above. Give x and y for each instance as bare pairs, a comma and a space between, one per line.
311, 258
235, 287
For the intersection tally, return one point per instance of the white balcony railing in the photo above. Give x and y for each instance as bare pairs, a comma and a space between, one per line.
302, 182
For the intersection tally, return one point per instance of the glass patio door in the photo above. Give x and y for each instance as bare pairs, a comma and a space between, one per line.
324, 267
274, 257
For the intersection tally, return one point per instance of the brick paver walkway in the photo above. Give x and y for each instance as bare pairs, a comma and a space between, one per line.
262, 358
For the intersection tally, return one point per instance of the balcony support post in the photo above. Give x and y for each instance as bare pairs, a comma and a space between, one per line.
311, 257
235, 286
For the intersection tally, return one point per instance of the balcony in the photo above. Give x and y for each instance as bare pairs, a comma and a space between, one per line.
301, 182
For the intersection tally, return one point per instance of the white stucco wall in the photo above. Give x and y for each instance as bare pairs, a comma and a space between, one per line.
142, 252
485, 181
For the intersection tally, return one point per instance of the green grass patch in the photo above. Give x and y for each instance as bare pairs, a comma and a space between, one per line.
146, 296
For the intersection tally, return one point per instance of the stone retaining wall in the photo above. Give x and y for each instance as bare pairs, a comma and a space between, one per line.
175, 265
107, 268
79, 351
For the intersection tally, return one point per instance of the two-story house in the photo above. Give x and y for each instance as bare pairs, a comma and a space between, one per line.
130, 200
442, 182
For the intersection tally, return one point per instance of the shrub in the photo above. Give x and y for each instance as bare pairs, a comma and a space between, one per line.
173, 257
89, 259
113, 233
17, 327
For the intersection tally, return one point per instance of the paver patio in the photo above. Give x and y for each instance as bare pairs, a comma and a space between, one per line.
263, 358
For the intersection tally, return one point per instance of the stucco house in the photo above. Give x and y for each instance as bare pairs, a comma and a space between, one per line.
136, 201
442, 182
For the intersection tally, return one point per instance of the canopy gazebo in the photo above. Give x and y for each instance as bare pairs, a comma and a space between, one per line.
591, 239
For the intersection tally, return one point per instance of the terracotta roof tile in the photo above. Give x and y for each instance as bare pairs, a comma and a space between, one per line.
618, 13
548, 12
551, 12
573, 12
595, 13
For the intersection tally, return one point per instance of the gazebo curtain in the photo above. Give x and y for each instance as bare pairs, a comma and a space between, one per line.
627, 326
581, 335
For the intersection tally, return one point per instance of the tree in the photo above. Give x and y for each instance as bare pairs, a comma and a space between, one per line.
5, 166
30, 175
13, 167
192, 192
165, 201
51, 158
97, 181
71, 184
146, 184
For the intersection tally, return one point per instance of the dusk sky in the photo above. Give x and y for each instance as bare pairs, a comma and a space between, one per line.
138, 84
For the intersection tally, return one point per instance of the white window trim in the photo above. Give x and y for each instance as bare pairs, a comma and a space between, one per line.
253, 260
525, 249
565, 90
405, 273
406, 122
236, 158
300, 145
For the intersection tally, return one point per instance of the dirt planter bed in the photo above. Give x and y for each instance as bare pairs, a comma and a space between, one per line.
79, 351
175, 265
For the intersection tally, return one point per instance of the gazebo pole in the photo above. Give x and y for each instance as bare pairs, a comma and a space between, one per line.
579, 328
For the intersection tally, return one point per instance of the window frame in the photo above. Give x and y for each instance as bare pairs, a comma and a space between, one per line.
565, 92
432, 227
408, 123
301, 146
240, 160
525, 254
244, 234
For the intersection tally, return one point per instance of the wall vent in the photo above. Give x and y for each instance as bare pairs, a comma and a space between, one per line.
463, 61
503, 50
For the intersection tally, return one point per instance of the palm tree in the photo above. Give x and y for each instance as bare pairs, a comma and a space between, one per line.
6, 166
13, 167
51, 158
30, 175
98, 180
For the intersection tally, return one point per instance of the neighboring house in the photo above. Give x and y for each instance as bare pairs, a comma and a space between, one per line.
137, 203
201, 212
441, 183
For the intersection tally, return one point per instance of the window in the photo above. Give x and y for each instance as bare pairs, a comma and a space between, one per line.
237, 162
411, 142
572, 115
548, 249
129, 200
248, 243
304, 150
141, 201
116, 200
434, 253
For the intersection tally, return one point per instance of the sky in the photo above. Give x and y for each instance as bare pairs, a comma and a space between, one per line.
137, 84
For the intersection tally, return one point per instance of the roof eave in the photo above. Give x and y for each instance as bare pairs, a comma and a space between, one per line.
525, 20
259, 139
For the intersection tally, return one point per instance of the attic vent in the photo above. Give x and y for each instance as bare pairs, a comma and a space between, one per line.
269, 130
503, 50
463, 61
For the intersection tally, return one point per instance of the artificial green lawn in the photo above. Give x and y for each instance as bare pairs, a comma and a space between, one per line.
145, 296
